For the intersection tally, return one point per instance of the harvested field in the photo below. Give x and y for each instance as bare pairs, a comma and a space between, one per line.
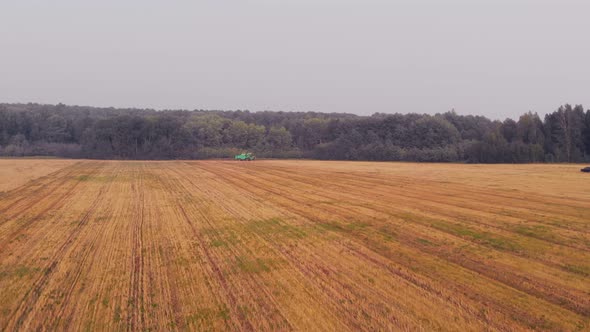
296, 245
16, 172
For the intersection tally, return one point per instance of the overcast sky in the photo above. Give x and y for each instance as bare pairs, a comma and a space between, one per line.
496, 58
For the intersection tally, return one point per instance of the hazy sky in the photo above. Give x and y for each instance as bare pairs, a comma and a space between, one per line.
496, 58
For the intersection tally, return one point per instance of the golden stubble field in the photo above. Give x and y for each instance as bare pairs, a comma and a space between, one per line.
16, 172
293, 245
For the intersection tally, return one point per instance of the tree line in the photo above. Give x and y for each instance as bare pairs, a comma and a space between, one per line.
109, 133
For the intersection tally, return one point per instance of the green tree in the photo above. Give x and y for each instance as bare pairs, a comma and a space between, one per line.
278, 138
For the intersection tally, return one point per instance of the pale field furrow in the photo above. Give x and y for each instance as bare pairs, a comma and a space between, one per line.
416, 212
187, 222
248, 217
17, 198
480, 192
239, 220
550, 227
48, 255
44, 191
238, 214
559, 263
282, 194
496, 271
66, 290
251, 187
239, 258
276, 245
226, 295
506, 210
560, 182
326, 269
18, 172
557, 227
19, 238
431, 214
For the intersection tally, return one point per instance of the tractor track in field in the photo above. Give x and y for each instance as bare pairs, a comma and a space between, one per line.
56, 204
382, 207
220, 277
411, 279
136, 319
83, 257
26, 198
526, 285
458, 189
421, 195
424, 188
214, 195
216, 272
21, 192
34, 293
256, 285
326, 273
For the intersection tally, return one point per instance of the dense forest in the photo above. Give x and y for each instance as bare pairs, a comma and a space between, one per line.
109, 133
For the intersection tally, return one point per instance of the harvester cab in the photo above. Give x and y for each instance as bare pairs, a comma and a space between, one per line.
246, 156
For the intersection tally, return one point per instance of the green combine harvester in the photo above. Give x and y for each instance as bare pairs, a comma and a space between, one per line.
244, 156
